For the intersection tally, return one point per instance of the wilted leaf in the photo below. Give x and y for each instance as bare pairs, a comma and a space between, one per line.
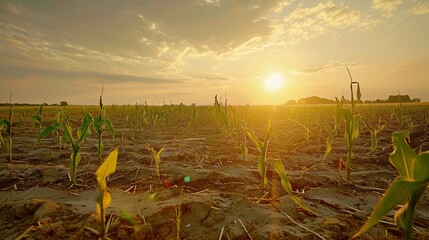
108, 167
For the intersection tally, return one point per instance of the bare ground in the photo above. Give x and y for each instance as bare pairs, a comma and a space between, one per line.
223, 194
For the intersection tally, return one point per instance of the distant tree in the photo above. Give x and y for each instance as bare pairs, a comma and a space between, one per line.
397, 98
416, 100
291, 102
63, 103
315, 100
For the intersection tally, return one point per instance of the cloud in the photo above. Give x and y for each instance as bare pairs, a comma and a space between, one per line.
16, 72
305, 23
387, 7
13, 8
333, 66
420, 8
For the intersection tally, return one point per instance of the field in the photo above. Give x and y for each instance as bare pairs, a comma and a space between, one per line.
206, 187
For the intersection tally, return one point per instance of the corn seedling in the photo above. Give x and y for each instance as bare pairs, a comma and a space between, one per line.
7, 124
38, 118
222, 116
400, 117
157, 156
56, 128
329, 139
353, 124
280, 169
100, 122
82, 133
103, 198
262, 147
243, 145
408, 187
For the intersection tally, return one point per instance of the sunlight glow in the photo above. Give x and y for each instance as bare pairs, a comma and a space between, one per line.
274, 82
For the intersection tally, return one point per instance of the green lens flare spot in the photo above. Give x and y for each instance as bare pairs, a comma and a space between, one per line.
187, 179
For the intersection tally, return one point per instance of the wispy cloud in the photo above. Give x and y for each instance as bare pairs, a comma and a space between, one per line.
306, 23
420, 8
12, 72
387, 7
333, 66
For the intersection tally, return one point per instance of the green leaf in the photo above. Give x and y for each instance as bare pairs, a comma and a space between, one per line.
100, 149
268, 129
108, 167
328, 146
36, 119
48, 130
5, 122
355, 126
97, 124
279, 167
403, 156
76, 160
421, 167
57, 119
67, 136
373, 132
255, 140
109, 126
397, 193
358, 93
83, 132
106, 198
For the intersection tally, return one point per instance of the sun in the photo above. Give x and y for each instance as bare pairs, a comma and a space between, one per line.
274, 82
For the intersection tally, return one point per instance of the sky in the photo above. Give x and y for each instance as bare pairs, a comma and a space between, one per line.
165, 51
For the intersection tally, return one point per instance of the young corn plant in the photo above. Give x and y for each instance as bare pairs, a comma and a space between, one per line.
263, 161
56, 128
157, 156
262, 147
66, 127
353, 124
243, 145
401, 117
100, 123
103, 198
7, 124
83, 133
408, 187
38, 118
